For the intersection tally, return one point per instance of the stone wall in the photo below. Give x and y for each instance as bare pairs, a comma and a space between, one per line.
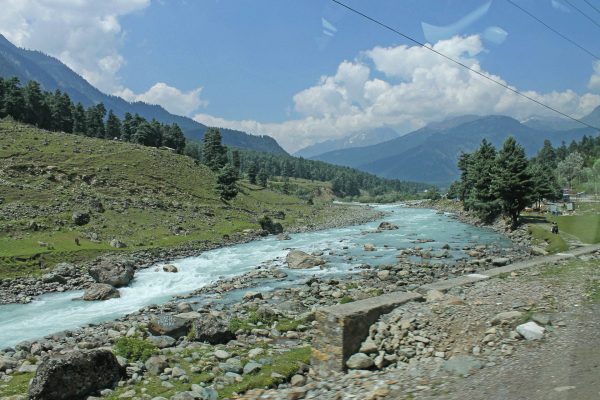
342, 328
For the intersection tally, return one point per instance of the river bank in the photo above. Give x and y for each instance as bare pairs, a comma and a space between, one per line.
71, 276
278, 321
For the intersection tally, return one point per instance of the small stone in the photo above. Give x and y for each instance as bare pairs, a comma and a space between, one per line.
531, 331
252, 296
462, 365
222, 354
359, 361
434, 295
252, 367
384, 275
170, 268
542, 319
506, 317
255, 352
177, 372
298, 380
369, 247
368, 346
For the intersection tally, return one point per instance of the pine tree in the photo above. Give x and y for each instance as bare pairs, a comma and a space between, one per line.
173, 137
252, 172
236, 162
62, 112
512, 181
34, 105
2, 90
79, 123
94, 120
547, 156
214, 154
262, 178
14, 102
226, 183
543, 178
481, 170
113, 126
147, 135
127, 128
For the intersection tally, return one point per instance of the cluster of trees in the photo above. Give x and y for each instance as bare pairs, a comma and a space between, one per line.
495, 182
346, 182
505, 182
231, 164
55, 111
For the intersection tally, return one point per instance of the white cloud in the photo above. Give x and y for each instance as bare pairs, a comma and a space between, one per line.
417, 87
85, 35
172, 99
594, 83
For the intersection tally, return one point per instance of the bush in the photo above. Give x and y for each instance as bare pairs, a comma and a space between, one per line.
267, 224
134, 348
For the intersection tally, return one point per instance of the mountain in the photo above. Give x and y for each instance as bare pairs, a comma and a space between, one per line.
563, 124
52, 74
430, 153
593, 118
356, 139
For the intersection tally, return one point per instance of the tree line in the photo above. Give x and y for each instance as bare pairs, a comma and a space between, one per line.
260, 167
503, 182
54, 111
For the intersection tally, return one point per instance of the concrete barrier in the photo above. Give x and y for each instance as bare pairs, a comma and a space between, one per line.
342, 328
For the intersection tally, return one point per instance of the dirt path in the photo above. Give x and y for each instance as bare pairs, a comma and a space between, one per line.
567, 366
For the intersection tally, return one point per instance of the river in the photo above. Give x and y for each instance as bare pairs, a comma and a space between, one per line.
61, 311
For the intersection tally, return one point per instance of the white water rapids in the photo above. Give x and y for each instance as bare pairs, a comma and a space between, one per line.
59, 311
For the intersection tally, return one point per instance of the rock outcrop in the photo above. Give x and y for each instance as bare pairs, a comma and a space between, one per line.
114, 273
298, 259
100, 291
212, 329
75, 376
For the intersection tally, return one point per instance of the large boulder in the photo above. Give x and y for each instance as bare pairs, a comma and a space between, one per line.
169, 325
386, 226
156, 364
80, 218
298, 259
212, 329
114, 273
100, 291
7, 363
75, 375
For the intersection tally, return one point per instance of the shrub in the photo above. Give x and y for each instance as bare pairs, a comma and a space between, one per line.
134, 348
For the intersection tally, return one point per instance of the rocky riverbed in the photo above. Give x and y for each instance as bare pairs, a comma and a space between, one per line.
69, 276
190, 348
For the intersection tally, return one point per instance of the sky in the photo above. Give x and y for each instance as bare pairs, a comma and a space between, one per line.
307, 71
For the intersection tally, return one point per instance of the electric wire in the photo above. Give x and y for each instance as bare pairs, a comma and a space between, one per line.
582, 13
388, 27
593, 6
554, 30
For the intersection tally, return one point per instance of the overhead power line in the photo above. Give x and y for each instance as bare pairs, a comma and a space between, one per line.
582, 13
593, 6
382, 24
574, 43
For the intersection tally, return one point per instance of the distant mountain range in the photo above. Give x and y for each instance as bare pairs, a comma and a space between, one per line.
53, 74
356, 139
430, 154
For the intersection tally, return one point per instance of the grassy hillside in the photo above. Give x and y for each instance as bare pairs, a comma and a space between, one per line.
143, 196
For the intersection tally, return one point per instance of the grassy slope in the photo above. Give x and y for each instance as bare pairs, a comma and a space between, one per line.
146, 193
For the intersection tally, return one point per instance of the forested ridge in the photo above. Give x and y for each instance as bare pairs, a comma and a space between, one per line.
503, 182
55, 111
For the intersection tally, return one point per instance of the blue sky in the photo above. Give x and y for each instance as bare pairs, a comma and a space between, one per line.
305, 71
